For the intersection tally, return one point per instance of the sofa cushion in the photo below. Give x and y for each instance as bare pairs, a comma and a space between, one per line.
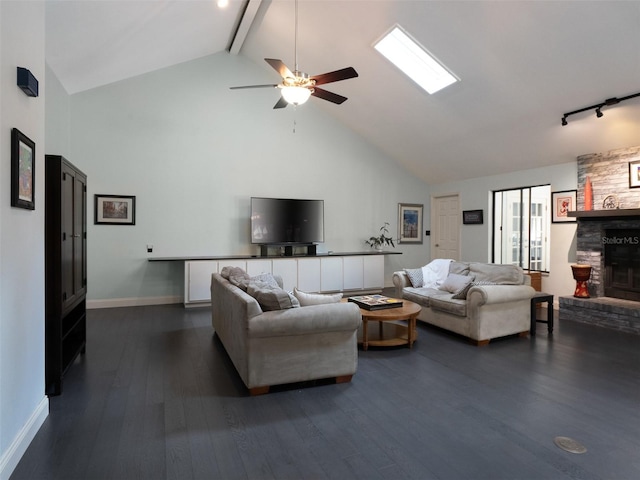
462, 293
420, 296
271, 298
415, 277
455, 282
445, 303
496, 273
307, 299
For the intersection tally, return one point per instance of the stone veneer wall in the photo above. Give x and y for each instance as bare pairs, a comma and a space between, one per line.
609, 174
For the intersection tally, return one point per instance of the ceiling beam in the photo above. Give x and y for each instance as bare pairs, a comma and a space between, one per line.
242, 30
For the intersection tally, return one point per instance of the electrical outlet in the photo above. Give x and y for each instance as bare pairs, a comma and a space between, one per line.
149, 248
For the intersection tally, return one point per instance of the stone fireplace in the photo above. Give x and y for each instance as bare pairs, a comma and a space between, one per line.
608, 239
610, 243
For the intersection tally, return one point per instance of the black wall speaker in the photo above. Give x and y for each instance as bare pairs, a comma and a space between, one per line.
27, 82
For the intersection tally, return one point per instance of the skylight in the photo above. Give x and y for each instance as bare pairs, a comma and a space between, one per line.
414, 60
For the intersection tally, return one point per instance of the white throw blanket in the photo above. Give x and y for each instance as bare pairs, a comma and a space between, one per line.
435, 272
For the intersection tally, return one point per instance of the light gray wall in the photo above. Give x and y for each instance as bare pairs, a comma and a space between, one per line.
476, 239
23, 405
193, 152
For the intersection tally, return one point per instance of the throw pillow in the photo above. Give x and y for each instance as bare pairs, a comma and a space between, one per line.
462, 293
415, 277
454, 282
239, 278
266, 278
307, 299
271, 298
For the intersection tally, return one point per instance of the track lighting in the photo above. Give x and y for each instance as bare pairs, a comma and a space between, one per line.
607, 103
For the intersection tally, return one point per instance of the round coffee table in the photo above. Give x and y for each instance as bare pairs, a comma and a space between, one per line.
390, 333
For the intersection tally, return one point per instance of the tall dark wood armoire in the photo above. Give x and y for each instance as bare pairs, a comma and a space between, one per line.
65, 268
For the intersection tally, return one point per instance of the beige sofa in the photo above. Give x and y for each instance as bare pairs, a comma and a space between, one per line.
284, 346
497, 301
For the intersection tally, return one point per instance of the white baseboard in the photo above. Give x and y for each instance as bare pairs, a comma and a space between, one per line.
13, 454
133, 302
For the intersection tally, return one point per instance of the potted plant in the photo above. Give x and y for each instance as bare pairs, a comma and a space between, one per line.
382, 239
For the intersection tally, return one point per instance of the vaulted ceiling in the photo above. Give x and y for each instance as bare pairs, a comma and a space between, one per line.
522, 64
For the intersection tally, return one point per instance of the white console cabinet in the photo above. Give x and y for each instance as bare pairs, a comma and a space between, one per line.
351, 274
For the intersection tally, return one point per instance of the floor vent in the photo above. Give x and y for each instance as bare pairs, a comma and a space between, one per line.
569, 445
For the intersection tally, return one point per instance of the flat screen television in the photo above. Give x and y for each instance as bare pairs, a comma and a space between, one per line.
286, 221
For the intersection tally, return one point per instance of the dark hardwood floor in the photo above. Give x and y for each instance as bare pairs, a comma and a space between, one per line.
156, 397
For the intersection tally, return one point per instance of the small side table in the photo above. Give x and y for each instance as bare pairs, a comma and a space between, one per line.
541, 297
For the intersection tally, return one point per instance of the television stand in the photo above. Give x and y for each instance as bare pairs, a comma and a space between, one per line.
289, 249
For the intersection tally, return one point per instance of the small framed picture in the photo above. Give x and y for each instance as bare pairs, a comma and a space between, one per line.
634, 174
562, 203
23, 171
115, 210
472, 217
410, 223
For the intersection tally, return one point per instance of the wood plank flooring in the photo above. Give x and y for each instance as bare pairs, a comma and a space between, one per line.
156, 397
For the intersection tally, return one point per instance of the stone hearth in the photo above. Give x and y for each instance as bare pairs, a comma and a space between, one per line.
608, 312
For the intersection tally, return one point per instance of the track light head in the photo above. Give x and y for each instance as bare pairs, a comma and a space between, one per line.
564, 120
599, 112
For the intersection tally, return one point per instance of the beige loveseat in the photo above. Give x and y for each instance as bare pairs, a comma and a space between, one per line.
494, 303
283, 346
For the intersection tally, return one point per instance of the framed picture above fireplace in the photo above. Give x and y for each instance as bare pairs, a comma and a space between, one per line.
634, 174
562, 203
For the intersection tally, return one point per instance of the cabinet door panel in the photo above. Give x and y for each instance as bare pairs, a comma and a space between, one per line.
353, 273
256, 267
288, 270
309, 274
374, 271
67, 217
331, 274
198, 280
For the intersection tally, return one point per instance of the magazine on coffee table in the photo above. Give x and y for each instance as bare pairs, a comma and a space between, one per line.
375, 302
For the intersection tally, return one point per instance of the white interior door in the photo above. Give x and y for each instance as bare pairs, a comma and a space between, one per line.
445, 231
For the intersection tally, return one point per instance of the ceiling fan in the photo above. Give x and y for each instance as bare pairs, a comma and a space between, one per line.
296, 86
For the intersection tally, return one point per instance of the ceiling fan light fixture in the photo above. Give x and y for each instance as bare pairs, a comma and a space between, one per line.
296, 95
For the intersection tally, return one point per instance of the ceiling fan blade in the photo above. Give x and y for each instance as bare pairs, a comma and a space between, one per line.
280, 67
281, 103
336, 76
271, 85
330, 96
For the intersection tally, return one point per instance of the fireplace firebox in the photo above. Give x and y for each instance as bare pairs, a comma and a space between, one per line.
622, 263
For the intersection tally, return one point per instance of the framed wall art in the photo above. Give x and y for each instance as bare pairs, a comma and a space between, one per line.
23, 171
634, 174
115, 210
473, 217
561, 204
410, 223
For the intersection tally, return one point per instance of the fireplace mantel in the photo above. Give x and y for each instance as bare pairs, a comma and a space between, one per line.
605, 214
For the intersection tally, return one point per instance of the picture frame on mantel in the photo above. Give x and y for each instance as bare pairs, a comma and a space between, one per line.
634, 174
562, 203
115, 210
23, 171
410, 223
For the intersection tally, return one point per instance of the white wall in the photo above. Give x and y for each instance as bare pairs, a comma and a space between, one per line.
23, 405
476, 239
193, 152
